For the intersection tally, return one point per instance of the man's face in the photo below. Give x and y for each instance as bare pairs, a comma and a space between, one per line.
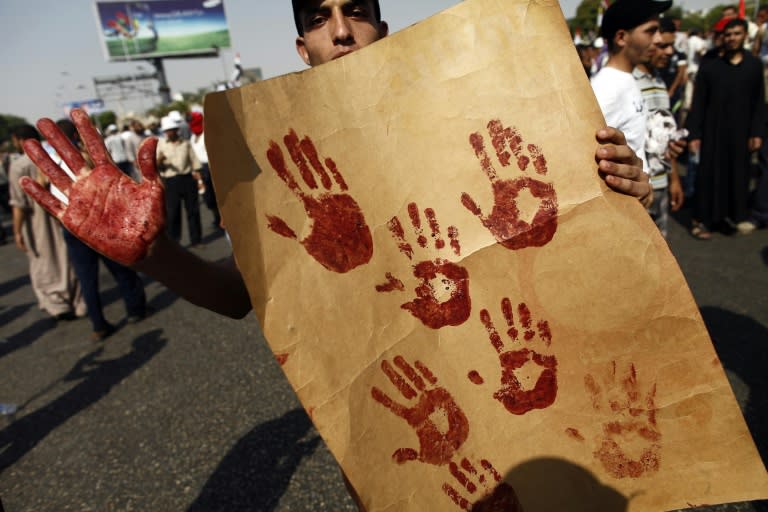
172, 135
729, 12
663, 51
334, 28
762, 16
639, 43
733, 38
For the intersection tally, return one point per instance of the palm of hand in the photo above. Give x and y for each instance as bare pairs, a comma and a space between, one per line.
115, 215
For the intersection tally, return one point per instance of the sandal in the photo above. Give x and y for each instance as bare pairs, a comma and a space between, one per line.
700, 231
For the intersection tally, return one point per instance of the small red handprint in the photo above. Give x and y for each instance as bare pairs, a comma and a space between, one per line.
629, 446
505, 222
494, 495
434, 409
339, 238
442, 295
516, 393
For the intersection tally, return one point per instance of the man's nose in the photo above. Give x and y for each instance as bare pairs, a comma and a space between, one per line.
342, 29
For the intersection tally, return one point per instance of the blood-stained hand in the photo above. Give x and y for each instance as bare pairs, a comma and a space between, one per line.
106, 209
508, 224
527, 363
440, 424
630, 444
485, 494
442, 295
339, 237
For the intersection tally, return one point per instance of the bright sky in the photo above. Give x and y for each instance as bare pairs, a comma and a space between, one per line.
51, 49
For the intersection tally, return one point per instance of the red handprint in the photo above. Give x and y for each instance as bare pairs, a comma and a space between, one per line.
435, 447
634, 429
495, 495
516, 393
339, 237
106, 209
505, 222
442, 296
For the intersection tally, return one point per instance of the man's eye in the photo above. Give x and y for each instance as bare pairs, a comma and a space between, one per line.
314, 21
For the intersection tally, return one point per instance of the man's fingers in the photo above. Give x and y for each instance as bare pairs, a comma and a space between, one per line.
147, 158
610, 135
91, 138
620, 154
42, 196
43, 161
63, 146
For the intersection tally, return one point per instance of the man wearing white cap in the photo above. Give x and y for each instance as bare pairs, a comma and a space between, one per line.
179, 168
116, 147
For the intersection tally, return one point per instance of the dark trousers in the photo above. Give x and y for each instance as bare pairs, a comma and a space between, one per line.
178, 190
210, 195
85, 262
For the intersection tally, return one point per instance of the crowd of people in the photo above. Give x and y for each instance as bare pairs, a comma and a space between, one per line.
64, 271
693, 106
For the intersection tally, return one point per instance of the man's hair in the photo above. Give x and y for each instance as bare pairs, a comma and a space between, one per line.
25, 131
736, 22
298, 5
68, 128
667, 25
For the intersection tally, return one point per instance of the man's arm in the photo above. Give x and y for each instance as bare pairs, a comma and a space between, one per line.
216, 286
19, 217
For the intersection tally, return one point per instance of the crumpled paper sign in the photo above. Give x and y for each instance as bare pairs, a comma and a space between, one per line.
470, 317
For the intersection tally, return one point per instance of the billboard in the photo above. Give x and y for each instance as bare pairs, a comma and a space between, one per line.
161, 28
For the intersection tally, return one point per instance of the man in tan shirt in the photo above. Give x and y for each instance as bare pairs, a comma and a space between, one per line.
179, 168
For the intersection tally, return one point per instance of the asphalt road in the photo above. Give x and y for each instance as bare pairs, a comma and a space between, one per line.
188, 411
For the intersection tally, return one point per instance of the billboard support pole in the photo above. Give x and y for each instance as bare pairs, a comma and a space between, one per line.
163, 89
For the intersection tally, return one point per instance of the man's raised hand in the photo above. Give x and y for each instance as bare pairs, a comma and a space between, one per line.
106, 209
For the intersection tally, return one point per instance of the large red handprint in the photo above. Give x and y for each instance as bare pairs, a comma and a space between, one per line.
434, 403
494, 495
442, 295
505, 222
516, 393
106, 209
339, 237
630, 445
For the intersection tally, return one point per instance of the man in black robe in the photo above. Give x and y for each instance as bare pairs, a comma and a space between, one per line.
726, 124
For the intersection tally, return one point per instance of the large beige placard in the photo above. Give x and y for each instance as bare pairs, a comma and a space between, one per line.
461, 305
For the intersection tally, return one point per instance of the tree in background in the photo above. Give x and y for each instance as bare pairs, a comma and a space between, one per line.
105, 119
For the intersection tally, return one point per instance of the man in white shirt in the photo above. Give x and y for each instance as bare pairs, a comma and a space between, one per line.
630, 28
116, 147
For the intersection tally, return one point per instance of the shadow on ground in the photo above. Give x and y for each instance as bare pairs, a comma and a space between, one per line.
256, 472
97, 378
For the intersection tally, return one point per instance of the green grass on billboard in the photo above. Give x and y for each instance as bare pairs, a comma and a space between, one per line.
169, 45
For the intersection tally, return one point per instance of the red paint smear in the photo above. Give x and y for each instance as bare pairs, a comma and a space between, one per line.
453, 236
435, 447
340, 239
279, 226
575, 434
539, 162
308, 148
426, 307
476, 141
618, 464
397, 232
544, 332
457, 498
504, 222
406, 390
409, 372
514, 398
335, 172
493, 335
434, 227
525, 316
461, 477
392, 284
475, 377
292, 144
282, 358
426, 372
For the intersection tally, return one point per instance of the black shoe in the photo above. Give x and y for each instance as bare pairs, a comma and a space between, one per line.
67, 317
103, 334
